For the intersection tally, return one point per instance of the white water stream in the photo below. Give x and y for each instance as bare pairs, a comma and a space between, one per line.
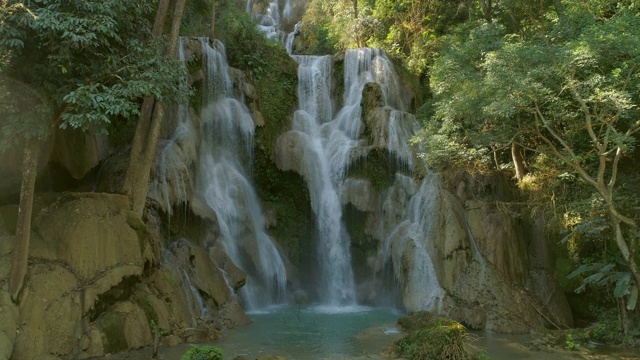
224, 192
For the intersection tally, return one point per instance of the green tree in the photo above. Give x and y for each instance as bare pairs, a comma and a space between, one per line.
568, 93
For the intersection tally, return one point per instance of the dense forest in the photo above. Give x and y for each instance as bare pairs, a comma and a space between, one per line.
544, 92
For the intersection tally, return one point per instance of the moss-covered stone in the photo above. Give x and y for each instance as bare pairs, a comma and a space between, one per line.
434, 337
378, 167
111, 324
287, 194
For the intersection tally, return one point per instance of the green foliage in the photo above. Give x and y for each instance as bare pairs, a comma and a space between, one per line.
271, 69
576, 340
433, 337
25, 114
102, 61
203, 352
564, 85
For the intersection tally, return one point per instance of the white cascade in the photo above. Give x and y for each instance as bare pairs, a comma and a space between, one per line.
224, 192
408, 242
325, 157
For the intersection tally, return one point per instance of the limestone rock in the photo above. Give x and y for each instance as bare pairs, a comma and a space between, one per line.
50, 313
8, 219
91, 233
136, 325
359, 193
495, 232
506, 307
203, 272
167, 283
8, 325
237, 278
233, 315
78, 151
290, 151
123, 327
93, 342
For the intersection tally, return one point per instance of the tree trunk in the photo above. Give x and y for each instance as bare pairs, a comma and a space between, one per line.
175, 28
136, 182
23, 225
627, 255
355, 9
161, 18
212, 29
518, 163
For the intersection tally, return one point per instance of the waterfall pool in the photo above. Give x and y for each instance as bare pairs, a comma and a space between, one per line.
340, 333
316, 332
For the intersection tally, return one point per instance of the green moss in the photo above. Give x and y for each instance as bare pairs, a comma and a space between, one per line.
269, 68
434, 337
287, 193
378, 167
112, 326
143, 300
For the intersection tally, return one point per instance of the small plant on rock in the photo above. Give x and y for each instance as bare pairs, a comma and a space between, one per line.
433, 337
203, 352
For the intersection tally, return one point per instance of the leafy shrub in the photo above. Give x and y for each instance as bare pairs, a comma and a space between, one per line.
203, 352
433, 337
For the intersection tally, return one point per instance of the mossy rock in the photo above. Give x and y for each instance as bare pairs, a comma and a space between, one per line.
434, 337
378, 167
111, 324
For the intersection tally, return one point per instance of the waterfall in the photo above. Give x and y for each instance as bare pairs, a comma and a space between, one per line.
407, 242
325, 157
224, 192
291, 37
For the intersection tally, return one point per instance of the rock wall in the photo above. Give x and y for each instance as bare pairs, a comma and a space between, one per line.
98, 283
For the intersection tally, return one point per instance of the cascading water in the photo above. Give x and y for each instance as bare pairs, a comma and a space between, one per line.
172, 182
223, 191
326, 142
420, 286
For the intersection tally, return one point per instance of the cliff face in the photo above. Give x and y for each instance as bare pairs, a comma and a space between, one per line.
98, 284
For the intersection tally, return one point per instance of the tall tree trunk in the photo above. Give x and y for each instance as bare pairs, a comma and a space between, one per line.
161, 18
518, 163
23, 225
212, 29
178, 11
136, 182
355, 9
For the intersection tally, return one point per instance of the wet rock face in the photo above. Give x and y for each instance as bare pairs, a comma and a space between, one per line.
206, 277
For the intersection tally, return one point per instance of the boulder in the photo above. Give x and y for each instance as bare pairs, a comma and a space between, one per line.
50, 313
